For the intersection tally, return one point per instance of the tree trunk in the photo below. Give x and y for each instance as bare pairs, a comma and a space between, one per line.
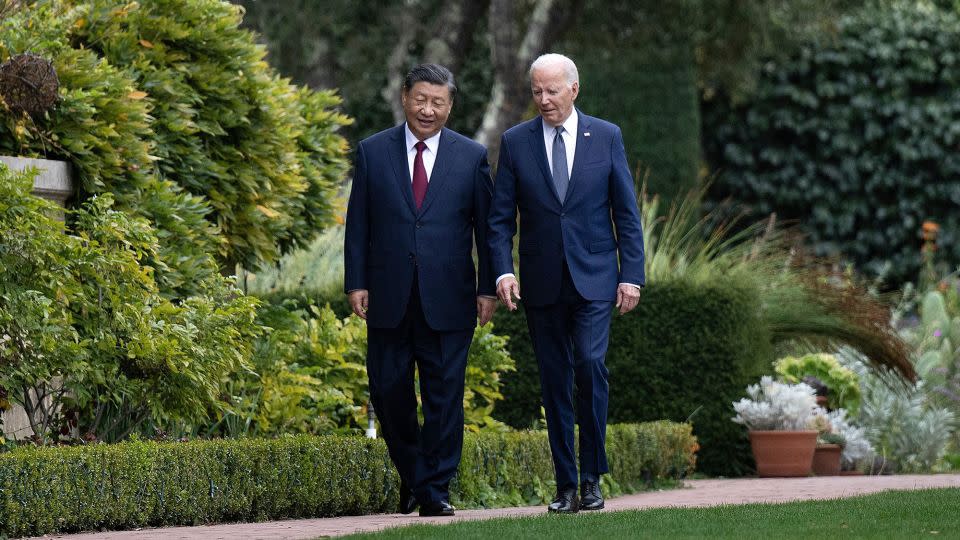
408, 26
456, 27
511, 58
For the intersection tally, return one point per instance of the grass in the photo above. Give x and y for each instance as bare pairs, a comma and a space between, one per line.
892, 514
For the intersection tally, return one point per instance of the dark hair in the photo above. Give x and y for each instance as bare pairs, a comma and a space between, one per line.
430, 73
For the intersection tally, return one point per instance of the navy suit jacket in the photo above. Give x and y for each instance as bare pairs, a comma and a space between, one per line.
388, 240
597, 220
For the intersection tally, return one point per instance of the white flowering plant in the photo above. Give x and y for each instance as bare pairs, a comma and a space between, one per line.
856, 447
777, 406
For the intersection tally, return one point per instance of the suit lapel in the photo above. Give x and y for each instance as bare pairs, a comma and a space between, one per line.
540, 153
581, 153
401, 168
445, 158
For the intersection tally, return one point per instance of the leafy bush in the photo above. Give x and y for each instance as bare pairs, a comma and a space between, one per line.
854, 137
136, 484
843, 388
310, 376
84, 324
171, 107
684, 355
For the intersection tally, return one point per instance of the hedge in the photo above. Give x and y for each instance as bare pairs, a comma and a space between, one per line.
855, 138
686, 352
140, 484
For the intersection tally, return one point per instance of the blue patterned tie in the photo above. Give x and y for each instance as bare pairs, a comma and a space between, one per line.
561, 178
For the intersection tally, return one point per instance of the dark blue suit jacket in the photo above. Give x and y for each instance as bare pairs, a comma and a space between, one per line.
598, 216
388, 240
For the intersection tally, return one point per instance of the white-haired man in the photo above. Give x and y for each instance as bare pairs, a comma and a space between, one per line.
581, 254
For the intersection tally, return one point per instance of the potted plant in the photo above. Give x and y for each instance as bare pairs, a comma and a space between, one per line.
830, 443
779, 418
842, 387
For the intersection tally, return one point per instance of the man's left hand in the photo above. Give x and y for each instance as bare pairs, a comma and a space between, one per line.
485, 308
628, 296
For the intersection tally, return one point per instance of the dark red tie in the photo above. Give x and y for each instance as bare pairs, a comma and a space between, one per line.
419, 175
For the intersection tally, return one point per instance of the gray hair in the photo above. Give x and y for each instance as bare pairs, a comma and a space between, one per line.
554, 59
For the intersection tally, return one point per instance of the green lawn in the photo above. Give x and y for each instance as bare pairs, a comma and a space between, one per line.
931, 513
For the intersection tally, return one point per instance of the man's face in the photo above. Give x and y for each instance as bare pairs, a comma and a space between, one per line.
427, 107
552, 93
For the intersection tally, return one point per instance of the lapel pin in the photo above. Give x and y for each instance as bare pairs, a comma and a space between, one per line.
586, 133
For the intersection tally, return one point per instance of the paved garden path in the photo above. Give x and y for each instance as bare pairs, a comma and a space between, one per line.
694, 493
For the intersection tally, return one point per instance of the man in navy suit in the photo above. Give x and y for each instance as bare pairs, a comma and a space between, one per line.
581, 254
420, 198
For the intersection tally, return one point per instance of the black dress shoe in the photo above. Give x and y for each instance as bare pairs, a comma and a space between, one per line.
408, 502
590, 496
565, 502
436, 508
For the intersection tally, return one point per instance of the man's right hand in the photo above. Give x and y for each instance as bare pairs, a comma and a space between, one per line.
358, 302
506, 290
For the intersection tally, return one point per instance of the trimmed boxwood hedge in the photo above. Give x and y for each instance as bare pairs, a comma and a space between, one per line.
137, 484
685, 353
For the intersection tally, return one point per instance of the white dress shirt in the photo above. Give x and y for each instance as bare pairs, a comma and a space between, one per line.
429, 153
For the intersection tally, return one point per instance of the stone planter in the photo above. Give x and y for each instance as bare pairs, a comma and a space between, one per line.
826, 460
54, 182
783, 453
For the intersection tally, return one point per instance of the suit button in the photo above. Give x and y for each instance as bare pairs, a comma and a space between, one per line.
419, 225
563, 214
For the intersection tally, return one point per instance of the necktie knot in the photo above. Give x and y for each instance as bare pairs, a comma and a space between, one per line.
420, 146
559, 131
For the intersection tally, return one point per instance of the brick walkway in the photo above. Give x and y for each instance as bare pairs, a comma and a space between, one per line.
694, 493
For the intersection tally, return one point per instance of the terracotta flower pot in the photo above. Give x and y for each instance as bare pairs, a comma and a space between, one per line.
783, 453
826, 460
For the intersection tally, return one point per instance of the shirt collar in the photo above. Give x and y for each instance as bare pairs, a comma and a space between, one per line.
569, 125
432, 143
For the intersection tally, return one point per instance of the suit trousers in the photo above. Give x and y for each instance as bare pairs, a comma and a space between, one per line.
570, 341
426, 457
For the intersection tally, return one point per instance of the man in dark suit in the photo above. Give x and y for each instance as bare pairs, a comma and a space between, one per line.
566, 173
420, 197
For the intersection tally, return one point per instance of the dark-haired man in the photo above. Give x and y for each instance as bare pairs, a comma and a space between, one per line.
419, 201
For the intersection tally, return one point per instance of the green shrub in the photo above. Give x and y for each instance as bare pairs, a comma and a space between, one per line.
309, 375
684, 354
854, 138
171, 103
138, 484
83, 322
843, 386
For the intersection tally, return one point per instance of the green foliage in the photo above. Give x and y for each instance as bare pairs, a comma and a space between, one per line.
137, 484
170, 106
854, 137
842, 383
904, 424
487, 362
687, 352
309, 375
318, 268
83, 323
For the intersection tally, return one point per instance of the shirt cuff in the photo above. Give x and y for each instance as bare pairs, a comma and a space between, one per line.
639, 287
504, 276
